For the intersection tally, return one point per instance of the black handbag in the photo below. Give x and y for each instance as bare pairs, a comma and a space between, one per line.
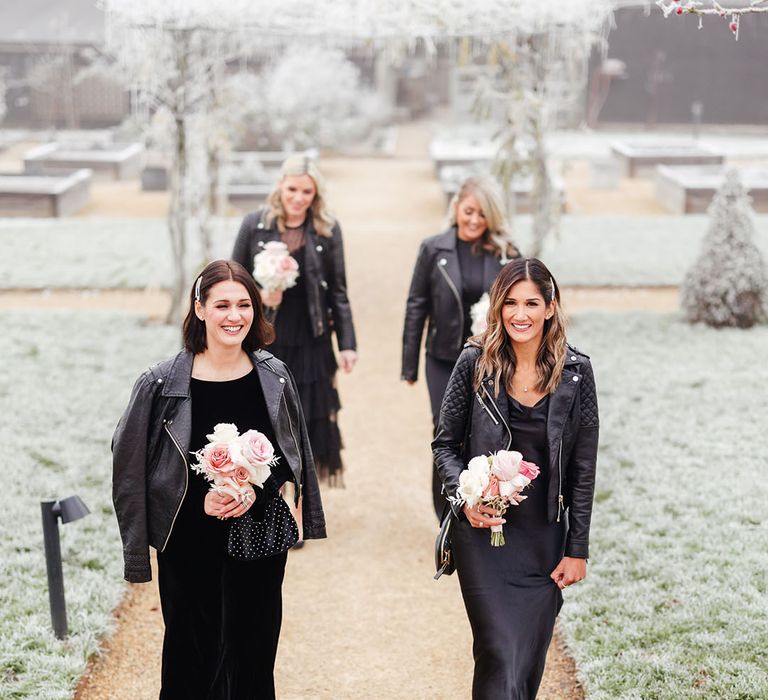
443, 554
251, 539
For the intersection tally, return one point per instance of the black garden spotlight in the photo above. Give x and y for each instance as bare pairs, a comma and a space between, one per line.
69, 510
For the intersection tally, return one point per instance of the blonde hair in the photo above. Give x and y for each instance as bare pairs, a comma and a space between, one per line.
496, 239
497, 359
321, 218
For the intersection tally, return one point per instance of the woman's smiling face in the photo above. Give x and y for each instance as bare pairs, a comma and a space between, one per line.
297, 192
524, 312
227, 313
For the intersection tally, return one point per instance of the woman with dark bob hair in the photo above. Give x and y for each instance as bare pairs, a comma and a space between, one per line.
520, 386
222, 614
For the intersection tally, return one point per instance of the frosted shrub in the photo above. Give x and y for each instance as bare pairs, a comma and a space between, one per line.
728, 284
314, 97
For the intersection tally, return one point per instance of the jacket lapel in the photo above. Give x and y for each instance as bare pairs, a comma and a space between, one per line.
272, 384
448, 259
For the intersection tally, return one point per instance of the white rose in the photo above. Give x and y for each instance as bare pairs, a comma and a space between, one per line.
223, 433
472, 483
520, 481
480, 464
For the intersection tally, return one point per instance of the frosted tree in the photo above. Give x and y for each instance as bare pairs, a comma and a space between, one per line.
2, 94
172, 54
728, 283
314, 98
727, 11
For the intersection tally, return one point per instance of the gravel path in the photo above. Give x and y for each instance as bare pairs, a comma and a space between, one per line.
363, 617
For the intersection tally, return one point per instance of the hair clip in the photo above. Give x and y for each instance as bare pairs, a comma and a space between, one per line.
197, 288
552, 282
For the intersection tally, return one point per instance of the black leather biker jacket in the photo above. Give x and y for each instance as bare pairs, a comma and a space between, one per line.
435, 295
150, 454
572, 435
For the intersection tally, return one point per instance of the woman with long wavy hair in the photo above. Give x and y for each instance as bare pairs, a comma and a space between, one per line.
453, 270
520, 386
297, 214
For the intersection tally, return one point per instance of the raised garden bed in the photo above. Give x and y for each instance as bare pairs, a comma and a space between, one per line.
22, 194
116, 161
689, 189
640, 158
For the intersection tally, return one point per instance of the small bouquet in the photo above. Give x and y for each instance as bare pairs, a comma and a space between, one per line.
232, 461
479, 314
274, 268
496, 481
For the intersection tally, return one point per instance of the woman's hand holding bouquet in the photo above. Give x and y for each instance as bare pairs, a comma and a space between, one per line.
489, 485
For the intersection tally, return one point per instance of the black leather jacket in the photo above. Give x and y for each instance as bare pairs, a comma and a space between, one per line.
572, 433
150, 454
435, 294
324, 273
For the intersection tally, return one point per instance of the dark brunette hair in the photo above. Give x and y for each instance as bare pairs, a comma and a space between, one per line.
260, 333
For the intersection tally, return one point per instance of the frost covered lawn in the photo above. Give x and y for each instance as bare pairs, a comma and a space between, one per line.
135, 253
674, 604
66, 378
676, 601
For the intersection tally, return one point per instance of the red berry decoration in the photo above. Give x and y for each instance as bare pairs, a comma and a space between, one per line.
733, 26
679, 11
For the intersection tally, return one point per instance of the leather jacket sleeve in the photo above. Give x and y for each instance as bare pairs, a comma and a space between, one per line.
341, 311
129, 483
581, 469
313, 518
417, 309
242, 252
455, 414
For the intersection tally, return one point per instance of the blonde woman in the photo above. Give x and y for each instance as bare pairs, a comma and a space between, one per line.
453, 270
519, 386
296, 213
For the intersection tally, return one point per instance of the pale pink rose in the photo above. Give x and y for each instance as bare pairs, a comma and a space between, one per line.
492, 490
241, 475
289, 264
256, 448
529, 469
506, 464
217, 458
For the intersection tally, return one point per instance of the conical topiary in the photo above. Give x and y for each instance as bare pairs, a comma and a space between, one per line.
728, 284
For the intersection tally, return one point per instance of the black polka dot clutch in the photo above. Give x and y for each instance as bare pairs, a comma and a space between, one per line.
255, 539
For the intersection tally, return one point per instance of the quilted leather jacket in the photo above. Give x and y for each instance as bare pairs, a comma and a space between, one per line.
435, 294
475, 423
324, 272
150, 454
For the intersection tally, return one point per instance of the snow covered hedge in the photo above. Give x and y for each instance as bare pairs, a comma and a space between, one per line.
674, 604
66, 379
134, 253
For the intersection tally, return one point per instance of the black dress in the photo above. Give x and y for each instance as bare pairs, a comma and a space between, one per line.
313, 365
511, 600
222, 616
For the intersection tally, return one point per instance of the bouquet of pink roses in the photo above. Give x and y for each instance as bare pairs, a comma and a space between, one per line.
274, 268
496, 481
232, 461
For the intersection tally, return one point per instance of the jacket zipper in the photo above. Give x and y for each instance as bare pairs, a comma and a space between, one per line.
296, 443
485, 408
559, 479
166, 423
458, 301
498, 412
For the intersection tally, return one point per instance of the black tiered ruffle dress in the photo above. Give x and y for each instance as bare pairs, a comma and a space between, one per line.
313, 364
